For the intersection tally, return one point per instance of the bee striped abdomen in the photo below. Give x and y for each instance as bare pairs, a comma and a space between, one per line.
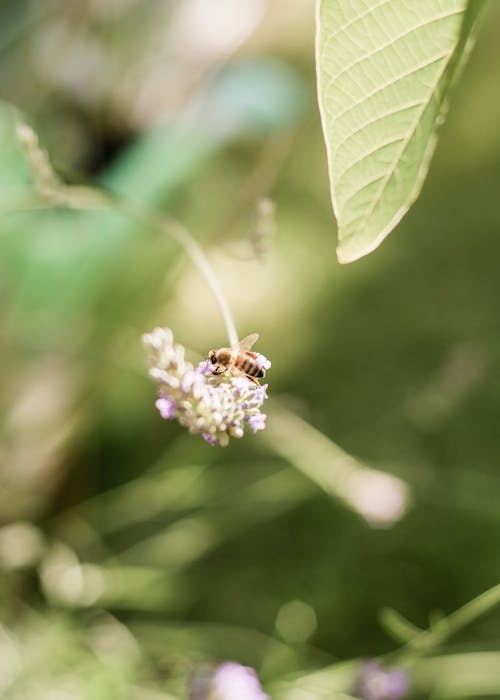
246, 366
249, 367
256, 371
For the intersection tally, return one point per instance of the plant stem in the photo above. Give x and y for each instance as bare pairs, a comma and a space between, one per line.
180, 234
441, 631
90, 198
53, 191
199, 258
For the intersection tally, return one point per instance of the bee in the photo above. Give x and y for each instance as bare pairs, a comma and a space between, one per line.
244, 362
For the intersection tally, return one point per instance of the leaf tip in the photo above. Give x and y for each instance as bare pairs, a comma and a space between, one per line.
349, 250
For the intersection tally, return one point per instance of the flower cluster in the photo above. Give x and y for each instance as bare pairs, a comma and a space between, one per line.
215, 407
377, 683
229, 681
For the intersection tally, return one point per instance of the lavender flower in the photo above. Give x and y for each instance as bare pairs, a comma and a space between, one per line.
229, 681
376, 683
215, 407
257, 422
166, 408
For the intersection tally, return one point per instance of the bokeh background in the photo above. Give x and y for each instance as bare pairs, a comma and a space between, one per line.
131, 552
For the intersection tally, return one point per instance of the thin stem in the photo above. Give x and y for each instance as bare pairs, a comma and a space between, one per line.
89, 198
51, 189
425, 641
180, 234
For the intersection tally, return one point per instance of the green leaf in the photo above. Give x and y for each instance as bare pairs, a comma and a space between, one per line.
384, 72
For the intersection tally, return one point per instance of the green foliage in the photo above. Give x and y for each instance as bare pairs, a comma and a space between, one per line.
384, 74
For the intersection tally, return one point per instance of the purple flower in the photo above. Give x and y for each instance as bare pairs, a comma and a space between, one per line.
229, 681
209, 438
240, 385
233, 681
215, 407
397, 683
376, 683
166, 408
205, 367
257, 421
262, 393
189, 379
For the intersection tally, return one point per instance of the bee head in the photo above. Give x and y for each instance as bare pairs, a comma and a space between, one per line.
212, 357
223, 356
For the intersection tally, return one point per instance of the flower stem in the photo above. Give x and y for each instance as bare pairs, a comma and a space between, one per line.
56, 193
179, 233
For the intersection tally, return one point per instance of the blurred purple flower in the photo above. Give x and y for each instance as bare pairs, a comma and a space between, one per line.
376, 683
166, 407
240, 384
229, 681
262, 392
233, 681
205, 367
257, 422
209, 438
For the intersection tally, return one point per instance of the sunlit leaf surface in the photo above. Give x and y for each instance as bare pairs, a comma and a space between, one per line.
384, 70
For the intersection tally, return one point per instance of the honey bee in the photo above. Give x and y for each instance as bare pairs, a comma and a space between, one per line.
241, 361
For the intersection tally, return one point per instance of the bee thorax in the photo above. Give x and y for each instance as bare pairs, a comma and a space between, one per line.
224, 356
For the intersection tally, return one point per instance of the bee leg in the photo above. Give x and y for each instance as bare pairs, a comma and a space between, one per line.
253, 379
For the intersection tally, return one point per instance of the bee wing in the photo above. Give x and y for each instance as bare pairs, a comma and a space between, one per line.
246, 343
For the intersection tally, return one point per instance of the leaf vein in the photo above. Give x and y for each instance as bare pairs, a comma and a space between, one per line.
406, 140
393, 81
372, 152
395, 39
358, 190
366, 124
353, 20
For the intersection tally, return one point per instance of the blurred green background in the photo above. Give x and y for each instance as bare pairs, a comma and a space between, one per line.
132, 552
